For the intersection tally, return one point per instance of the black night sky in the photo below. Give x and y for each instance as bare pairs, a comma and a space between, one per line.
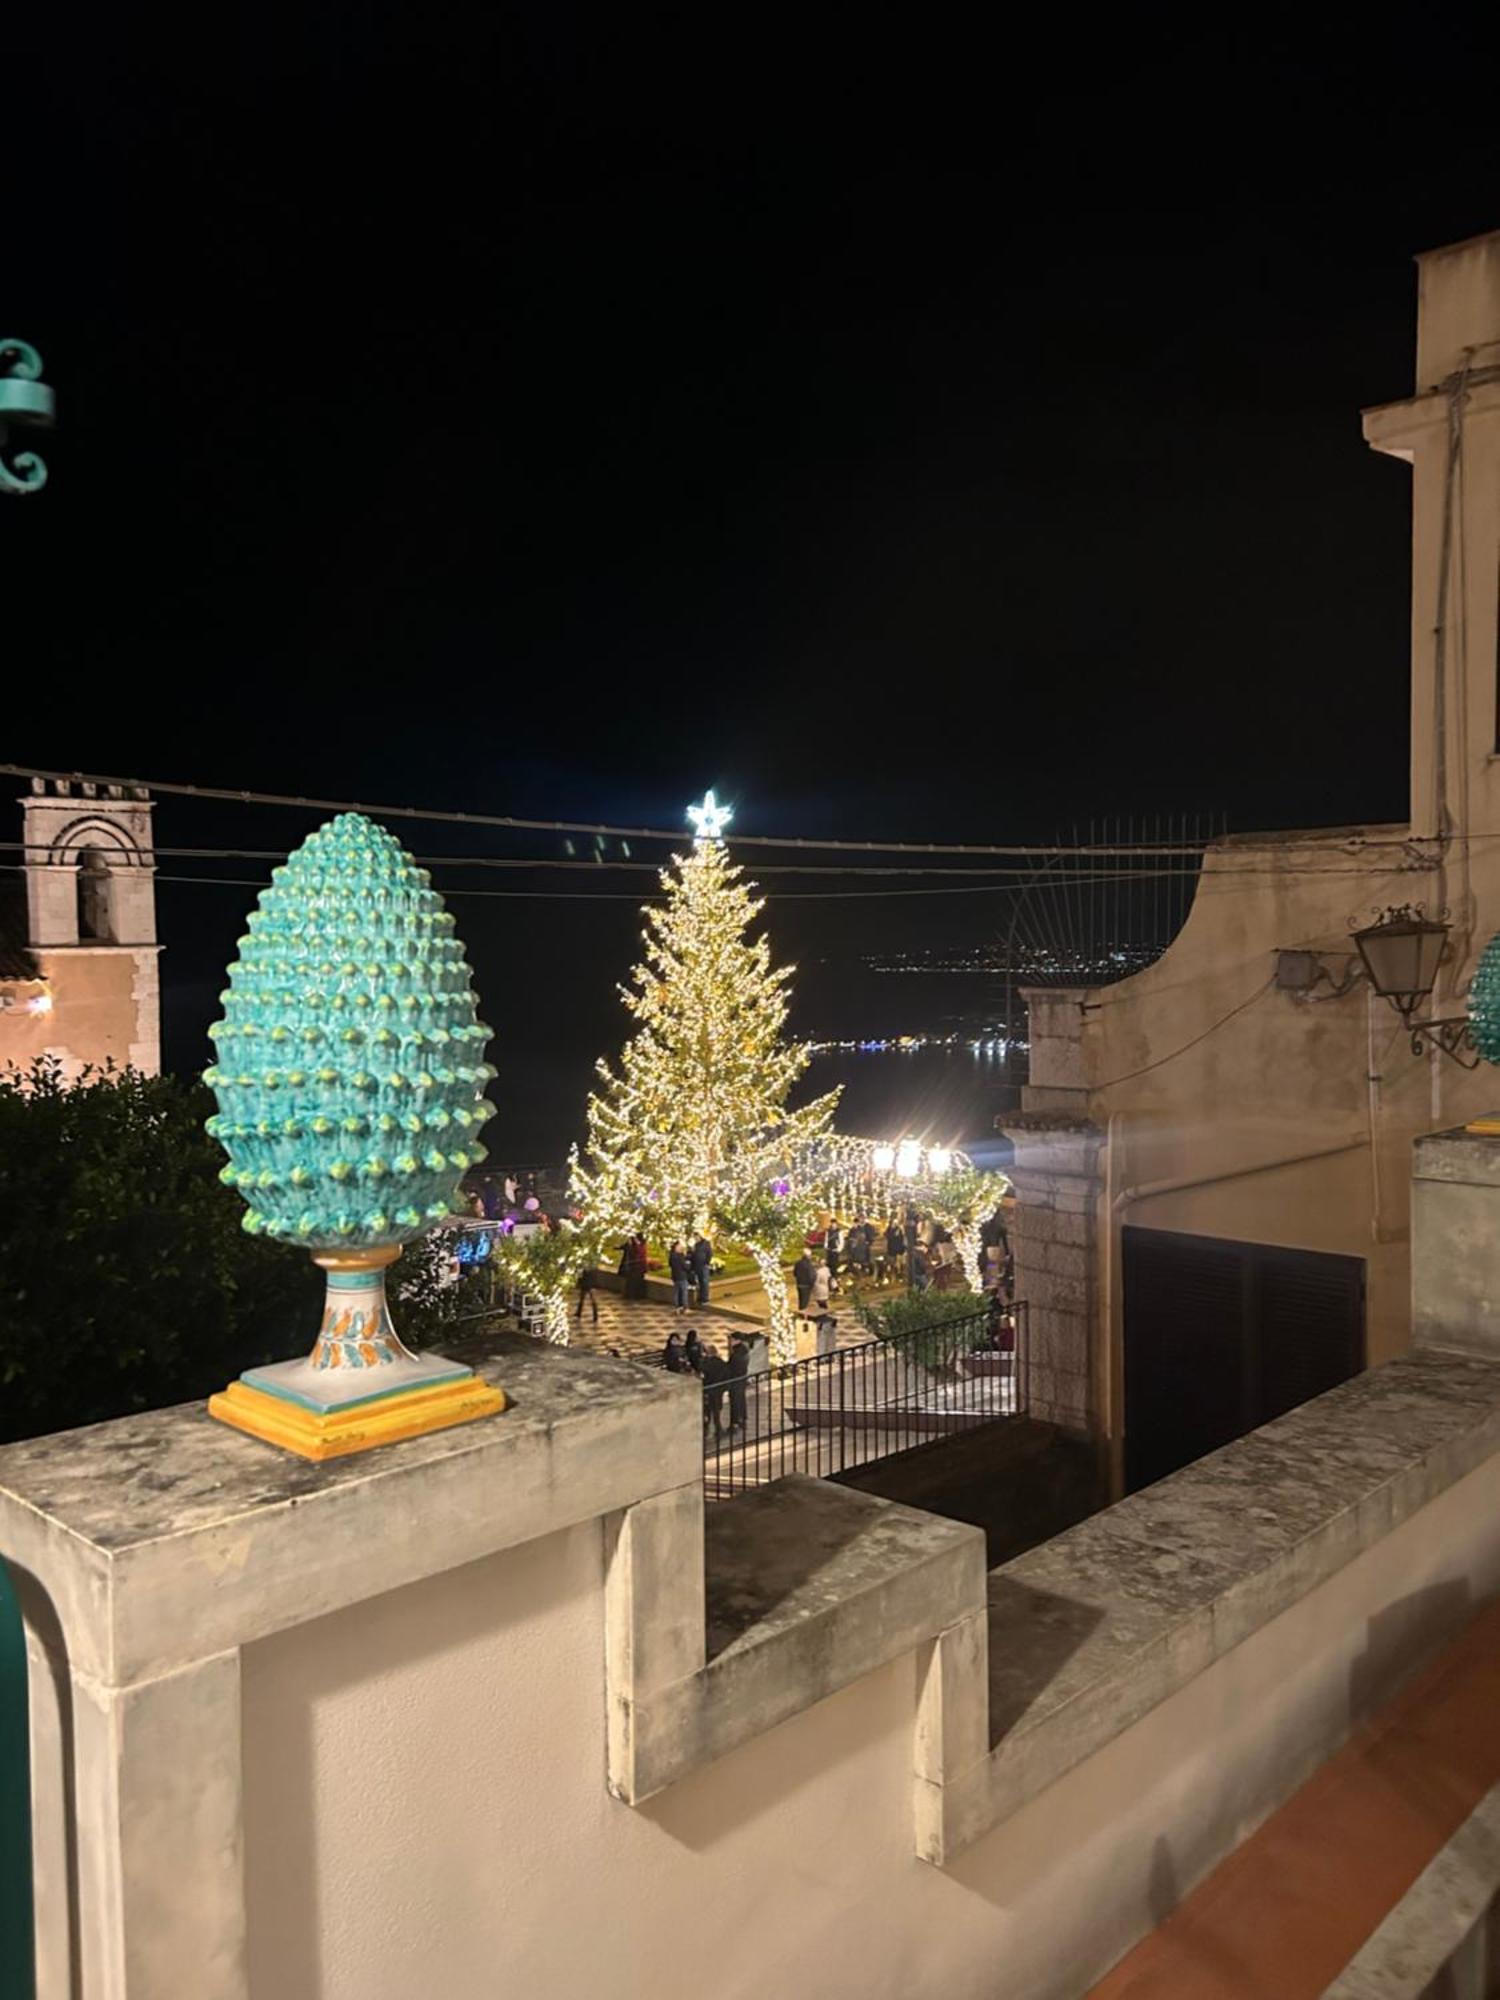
488, 407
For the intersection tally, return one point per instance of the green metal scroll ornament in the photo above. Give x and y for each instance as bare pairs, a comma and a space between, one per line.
350, 1078
25, 400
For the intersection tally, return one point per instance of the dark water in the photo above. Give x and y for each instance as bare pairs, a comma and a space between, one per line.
946, 1096
550, 993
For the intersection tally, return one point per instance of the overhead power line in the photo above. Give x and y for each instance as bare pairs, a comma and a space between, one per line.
591, 866
300, 803
772, 895
1019, 851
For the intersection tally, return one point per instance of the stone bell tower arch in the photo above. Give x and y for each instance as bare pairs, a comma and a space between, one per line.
90, 930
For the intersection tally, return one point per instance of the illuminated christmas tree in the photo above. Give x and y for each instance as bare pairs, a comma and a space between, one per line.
694, 1122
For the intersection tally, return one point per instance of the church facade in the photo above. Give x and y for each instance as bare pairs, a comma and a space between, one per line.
78, 961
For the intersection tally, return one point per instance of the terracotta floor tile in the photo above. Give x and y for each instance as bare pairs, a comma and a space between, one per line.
1284, 1914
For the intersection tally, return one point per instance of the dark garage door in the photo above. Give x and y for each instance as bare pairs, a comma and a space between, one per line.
1222, 1336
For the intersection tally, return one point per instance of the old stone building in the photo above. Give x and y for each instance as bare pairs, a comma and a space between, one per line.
78, 972
1213, 1158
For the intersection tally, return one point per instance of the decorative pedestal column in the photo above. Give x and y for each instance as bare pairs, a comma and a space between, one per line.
360, 1386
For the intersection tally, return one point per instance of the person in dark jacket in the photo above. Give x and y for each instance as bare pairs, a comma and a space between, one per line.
802, 1277
633, 1266
739, 1369
586, 1292
672, 1357
859, 1249
692, 1351
715, 1372
895, 1252
702, 1257
682, 1274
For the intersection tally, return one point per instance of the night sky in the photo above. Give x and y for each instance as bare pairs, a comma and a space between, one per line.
489, 408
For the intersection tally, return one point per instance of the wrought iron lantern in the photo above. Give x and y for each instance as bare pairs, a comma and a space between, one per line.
1402, 952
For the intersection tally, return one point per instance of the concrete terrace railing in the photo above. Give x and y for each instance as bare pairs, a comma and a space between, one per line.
305, 1731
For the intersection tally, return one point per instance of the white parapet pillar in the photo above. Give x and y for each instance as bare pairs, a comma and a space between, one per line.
1455, 1240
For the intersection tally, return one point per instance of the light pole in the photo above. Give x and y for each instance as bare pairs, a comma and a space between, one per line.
26, 403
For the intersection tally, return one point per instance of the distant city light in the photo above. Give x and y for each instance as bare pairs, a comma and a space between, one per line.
990, 1045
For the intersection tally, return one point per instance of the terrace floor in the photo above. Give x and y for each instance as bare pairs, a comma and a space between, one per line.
1288, 1910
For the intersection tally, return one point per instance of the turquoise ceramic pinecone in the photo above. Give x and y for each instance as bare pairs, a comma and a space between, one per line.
350, 1069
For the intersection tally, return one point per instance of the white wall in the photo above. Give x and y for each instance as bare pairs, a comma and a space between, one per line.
426, 1810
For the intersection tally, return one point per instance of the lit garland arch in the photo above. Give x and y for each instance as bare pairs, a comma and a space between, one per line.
877, 1177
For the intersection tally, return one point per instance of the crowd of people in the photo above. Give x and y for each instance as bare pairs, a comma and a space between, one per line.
504, 1197
912, 1249
721, 1379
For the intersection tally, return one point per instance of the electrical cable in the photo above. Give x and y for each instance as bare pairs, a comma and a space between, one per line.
1223, 1020
221, 794
1060, 878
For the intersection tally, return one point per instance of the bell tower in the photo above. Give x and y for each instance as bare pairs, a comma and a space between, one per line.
90, 930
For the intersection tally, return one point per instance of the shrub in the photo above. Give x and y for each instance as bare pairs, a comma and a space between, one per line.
126, 1281
929, 1317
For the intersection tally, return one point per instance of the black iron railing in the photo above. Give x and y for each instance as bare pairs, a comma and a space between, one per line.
878, 1400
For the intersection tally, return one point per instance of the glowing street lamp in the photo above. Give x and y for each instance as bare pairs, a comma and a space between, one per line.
883, 1159
908, 1159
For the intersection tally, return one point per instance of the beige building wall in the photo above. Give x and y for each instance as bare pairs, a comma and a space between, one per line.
1199, 1097
425, 1812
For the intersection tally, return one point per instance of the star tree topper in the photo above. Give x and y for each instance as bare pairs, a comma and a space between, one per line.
710, 819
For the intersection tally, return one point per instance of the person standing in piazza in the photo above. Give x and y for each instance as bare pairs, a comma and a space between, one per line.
739, 1369
833, 1243
633, 1267
895, 1251
803, 1272
702, 1257
586, 1293
682, 1274
822, 1284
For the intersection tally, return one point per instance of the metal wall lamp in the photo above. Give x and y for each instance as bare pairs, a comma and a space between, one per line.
1401, 953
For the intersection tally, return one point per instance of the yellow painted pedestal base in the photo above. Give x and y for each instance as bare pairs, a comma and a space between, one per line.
336, 1432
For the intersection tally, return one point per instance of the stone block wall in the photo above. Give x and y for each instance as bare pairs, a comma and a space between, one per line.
1055, 1238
